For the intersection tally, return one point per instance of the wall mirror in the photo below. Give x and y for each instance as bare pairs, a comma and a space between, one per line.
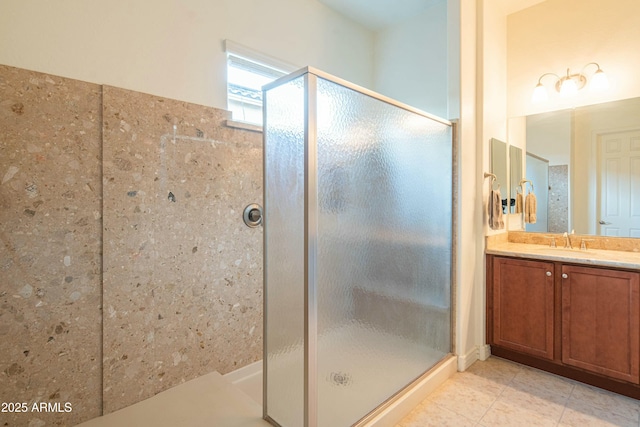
589, 139
499, 169
515, 175
593, 155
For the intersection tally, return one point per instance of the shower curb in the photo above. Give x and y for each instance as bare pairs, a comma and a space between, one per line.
402, 405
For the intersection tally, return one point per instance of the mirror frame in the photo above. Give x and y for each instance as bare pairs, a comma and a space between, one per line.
499, 167
516, 173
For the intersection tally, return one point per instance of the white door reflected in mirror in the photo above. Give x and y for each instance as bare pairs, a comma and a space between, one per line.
618, 178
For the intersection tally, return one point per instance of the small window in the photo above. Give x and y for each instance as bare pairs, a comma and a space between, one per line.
247, 72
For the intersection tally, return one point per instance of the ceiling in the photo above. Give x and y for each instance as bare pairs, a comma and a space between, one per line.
512, 6
379, 14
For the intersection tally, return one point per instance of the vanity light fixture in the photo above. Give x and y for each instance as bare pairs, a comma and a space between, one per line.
570, 84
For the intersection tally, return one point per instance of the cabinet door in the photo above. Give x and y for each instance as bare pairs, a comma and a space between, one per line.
523, 306
600, 321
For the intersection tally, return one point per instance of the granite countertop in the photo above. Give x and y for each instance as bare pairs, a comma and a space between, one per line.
599, 257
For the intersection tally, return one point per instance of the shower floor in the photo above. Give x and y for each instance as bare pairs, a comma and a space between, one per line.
358, 369
234, 400
209, 400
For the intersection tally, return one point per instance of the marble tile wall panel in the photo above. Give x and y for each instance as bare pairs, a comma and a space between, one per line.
182, 273
625, 244
558, 199
50, 263
496, 239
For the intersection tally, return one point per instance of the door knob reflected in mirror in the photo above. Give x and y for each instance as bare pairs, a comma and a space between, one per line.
602, 222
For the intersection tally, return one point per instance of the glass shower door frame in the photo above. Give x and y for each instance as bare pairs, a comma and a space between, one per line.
310, 252
310, 76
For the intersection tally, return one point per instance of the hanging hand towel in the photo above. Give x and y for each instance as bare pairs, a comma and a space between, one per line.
496, 221
530, 208
519, 202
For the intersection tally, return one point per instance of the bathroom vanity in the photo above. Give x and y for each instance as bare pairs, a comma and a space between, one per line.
572, 312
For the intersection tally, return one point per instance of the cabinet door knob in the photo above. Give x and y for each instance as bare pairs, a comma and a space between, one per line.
548, 274
564, 275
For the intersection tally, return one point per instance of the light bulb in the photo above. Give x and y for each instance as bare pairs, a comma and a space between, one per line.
539, 94
568, 87
599, 81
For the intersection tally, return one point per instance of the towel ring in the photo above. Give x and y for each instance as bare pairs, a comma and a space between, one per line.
524, 188
493, 179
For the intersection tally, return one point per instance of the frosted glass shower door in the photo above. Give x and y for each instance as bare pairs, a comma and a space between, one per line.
368, 184
283, 361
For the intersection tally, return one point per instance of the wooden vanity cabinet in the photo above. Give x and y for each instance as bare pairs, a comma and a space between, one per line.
523, 315
576, 321
600, 321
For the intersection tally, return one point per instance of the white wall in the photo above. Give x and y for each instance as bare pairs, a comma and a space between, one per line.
549, 136
489, 33
493, 96
410, 61
558, 34
174, 48
470, 239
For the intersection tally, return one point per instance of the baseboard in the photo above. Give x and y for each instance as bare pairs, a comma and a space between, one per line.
403, 405
484, 352
244, 373
468, 359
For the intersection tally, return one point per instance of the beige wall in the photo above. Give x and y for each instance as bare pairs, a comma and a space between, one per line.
411, 58
558, 34
175, 48
492, 74
549, 136
468, 198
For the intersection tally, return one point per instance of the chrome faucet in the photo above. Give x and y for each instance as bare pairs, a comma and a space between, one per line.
552, 243
583, 243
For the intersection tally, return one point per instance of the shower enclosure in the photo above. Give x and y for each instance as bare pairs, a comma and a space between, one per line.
358, 232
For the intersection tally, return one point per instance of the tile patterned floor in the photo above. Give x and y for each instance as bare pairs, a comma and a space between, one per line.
499, 393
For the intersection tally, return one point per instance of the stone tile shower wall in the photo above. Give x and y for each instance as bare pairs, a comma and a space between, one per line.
182, 273
50, 264
125, 266
558, 199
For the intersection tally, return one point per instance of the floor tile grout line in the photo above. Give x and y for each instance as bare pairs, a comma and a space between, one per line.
564, 408
504, 387
512, 381
462, 415
601, 392
566, 402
